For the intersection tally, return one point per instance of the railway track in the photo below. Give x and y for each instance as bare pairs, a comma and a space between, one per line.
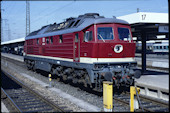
121, 101
147, 104
25, 99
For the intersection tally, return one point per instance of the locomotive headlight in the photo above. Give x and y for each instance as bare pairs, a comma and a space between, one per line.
118, 48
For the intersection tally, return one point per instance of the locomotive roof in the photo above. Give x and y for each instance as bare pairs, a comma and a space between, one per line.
72, 25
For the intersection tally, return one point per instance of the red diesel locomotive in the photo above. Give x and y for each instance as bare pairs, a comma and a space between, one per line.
89, 49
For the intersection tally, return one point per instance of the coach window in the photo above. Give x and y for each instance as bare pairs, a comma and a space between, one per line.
51, 39
61, 39
37, 40
47, 40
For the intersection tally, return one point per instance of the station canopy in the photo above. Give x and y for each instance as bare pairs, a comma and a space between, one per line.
13, 41
153, 24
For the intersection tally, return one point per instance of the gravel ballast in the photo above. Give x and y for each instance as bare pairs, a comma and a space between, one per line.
75, 98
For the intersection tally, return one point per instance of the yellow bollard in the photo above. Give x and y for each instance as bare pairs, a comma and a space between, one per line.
49, 76
107, 96
132, 98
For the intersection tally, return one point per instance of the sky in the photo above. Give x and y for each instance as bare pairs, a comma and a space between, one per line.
13, 13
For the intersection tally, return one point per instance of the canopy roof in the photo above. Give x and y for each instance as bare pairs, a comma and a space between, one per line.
145, 17
13, 41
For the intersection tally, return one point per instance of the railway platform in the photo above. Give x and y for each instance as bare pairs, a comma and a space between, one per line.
154, 62
152, 83
12, 56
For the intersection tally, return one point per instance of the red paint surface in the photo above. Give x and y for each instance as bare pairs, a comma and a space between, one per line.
94, 49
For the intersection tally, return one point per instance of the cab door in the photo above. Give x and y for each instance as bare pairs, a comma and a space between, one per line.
76, 48
42, 46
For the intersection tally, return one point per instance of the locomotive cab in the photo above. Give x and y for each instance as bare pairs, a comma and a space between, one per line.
111, 51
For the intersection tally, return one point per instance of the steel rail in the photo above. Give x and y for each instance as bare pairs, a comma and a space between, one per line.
11, 101
143, 99
50, 103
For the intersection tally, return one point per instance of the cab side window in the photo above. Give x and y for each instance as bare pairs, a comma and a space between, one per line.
51, 39
47, 40
76, 37
37, 41
60, 39
88, 36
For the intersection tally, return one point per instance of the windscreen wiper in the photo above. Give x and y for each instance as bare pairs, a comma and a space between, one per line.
101, 37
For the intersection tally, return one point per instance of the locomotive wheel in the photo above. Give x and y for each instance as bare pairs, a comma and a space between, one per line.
64, 77
84, 83
58, 79
55, 74
33, 68
87, 81
28, 66
52, 71
74, 80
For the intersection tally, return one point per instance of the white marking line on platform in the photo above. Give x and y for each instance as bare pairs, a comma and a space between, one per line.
35, 80
159, 81
87, 106
161, 64
16, 57
3, 107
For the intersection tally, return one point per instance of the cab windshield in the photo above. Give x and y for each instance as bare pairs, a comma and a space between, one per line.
124, 34
105, 33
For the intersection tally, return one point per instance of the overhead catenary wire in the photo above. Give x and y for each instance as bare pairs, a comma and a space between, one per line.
44, 16
52, 12
44, 10
9, 9
13, 5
